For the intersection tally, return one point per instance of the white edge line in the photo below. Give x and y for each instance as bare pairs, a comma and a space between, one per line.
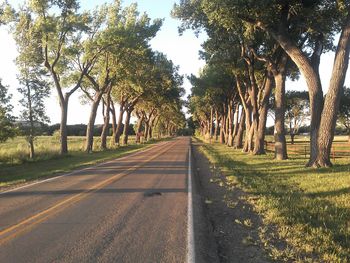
78, 171
190, 231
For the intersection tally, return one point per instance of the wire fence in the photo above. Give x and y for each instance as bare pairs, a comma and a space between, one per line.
302, 149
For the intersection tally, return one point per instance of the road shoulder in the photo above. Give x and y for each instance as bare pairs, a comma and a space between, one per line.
231, 227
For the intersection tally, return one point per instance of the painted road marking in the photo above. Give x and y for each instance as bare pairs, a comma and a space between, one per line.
82, 170
35, 219
190, 232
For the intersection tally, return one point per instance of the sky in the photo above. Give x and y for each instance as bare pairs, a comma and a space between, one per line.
182, 50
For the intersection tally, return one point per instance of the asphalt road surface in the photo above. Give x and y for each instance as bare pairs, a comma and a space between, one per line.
129, 210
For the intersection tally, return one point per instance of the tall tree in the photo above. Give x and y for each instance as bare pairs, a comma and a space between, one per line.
33, 86
304, 29
58, 27
124, 34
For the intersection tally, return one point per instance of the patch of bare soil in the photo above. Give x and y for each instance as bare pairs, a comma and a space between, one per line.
232, 220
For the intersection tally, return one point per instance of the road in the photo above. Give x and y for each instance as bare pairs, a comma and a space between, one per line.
133, 209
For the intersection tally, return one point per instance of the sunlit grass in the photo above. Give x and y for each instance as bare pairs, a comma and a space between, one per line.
309, 208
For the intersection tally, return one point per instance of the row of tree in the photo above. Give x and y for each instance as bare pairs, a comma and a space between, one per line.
252, 47
105, 53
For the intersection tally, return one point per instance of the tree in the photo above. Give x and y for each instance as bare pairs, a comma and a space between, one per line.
344, 110
59, 28
7, 128
33, 87
305, 30
297, 111
123, 35
253, 58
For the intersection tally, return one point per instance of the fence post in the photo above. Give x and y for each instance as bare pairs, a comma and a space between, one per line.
305, 150
333, 153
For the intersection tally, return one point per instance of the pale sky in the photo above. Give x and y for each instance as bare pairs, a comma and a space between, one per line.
182, 50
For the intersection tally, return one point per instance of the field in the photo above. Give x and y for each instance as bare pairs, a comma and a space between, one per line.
306, 211
15, 167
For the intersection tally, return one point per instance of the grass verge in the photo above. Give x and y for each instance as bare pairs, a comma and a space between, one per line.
306, 212
18, 173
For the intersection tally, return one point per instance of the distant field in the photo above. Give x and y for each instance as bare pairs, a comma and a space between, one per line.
15, 167
308, 208
16, 150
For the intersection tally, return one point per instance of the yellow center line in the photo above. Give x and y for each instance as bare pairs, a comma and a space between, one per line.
30, 222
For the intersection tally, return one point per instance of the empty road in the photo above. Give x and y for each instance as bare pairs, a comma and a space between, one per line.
132, 209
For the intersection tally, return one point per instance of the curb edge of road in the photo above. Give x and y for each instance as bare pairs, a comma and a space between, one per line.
191, 255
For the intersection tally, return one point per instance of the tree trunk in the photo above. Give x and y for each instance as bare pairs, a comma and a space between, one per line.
150, 136
126, 126
259, 145
139, 128
31, 122
146, 130
91, 124
292, 136
105, 129
230, 122
216, 125
313, 82
119, 125
279, 134
222, 130
235, 123
239, 137
249, 130
211, 124
253, 89
331, 105
114, 122
226, 125
63, 125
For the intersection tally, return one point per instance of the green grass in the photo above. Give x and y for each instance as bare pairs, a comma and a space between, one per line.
309, 209
15, 167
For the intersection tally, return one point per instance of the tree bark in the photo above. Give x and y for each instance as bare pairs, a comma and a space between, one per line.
279, 133
235, 122
106, 119
91, 124
126, 126
119, 124
63, 125
331, 105
238, 144
230, 124
216, 125
222, 129
114, 122
211, 124
259, 145
313, 82
139, 127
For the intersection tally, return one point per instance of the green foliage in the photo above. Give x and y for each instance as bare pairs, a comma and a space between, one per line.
297, 109
7, 127
32, 77
344, 109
